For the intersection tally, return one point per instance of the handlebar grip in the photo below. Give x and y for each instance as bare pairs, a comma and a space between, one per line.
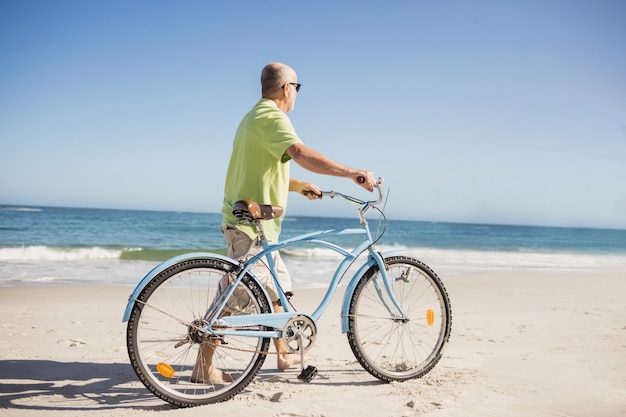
360, 179
308, 192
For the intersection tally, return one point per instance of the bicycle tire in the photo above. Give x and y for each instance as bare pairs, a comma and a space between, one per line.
163, 340
393, 349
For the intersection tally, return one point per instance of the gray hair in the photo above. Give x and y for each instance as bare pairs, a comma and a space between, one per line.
273, 78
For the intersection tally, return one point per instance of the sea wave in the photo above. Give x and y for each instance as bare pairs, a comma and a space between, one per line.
451, 260
46, 253
42, 265
24, 209
463, 261
69, 254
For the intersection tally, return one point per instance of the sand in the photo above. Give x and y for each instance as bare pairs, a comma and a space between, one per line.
523, 344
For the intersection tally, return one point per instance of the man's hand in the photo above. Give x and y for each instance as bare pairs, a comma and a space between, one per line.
366, 180
311, 191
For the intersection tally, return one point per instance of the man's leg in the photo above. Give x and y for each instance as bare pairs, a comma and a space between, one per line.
284, 359
241, 246
204, 371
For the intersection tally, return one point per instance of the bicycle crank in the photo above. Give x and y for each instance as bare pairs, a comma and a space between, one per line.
307, 374
299, 334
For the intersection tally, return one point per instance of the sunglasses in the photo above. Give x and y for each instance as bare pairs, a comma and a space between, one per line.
295, 85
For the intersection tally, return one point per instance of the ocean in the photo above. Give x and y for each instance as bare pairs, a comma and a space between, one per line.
73, 246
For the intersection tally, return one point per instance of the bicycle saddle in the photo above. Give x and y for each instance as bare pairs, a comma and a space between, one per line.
249, 210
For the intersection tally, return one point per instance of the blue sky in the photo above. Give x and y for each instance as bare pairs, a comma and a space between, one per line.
473, 111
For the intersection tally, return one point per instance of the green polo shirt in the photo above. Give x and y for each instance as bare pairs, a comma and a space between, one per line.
259, 167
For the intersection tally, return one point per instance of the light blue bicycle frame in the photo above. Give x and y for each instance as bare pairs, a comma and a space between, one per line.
279, 320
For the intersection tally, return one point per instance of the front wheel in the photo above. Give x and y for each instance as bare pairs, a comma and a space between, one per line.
391, 347
168, 346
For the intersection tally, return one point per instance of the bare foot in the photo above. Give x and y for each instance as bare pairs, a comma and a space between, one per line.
287, 360
213, 376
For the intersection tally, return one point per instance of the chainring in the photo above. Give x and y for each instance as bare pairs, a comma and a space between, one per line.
299, 326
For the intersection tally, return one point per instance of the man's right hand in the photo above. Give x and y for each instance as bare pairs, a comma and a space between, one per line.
366, 180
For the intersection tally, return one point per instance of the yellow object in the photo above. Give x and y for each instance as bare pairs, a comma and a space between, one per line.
430, 317
164, 369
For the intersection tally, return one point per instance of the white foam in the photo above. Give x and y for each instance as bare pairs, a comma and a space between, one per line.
37, 265
479, 261
448, 261
24, 209
46, 253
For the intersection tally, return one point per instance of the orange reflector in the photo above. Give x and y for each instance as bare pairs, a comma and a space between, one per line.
430, 317
164, 369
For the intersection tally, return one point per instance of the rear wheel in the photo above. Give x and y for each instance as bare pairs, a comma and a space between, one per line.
394, 348
165, 336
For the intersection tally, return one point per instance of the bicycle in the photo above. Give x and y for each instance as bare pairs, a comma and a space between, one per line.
395, 312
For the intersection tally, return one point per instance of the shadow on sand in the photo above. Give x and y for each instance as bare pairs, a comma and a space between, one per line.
49, 385
83, 386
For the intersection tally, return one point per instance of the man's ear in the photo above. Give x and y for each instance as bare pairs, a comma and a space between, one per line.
286, 91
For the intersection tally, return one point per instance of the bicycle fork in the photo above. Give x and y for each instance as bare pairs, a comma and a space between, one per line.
395, 309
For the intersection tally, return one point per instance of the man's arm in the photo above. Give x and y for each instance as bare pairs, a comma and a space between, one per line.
319, 163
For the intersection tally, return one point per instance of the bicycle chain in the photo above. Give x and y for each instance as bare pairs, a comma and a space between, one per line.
242, 326
248, 350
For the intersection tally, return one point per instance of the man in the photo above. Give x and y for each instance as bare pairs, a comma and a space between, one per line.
264, 144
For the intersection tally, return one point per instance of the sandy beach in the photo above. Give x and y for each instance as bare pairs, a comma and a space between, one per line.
523, 344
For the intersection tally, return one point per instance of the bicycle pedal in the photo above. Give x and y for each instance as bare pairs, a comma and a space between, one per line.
308, 374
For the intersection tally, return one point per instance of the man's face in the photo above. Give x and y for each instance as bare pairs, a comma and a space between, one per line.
291, 91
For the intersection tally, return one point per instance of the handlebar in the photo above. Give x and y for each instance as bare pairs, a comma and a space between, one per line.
365, 204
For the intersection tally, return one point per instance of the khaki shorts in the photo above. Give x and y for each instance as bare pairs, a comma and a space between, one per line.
241, 247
